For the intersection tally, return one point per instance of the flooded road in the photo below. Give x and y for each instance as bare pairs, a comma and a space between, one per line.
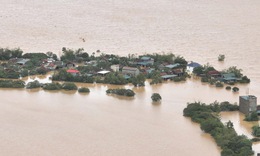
37, 122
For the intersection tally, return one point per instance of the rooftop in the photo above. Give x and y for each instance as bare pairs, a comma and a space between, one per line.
248, 96
194, 64
72, 71
172, 65
145, 58
103, 72
168, 76
130, 68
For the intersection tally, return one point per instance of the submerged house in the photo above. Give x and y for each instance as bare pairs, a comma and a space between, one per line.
247, 104
130, 71
145, 61
178, 71
214, 74
22, 61
229, 77
191, 66
168, 77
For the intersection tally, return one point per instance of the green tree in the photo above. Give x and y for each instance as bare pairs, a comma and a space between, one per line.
235, 89
138, 80
230, 124
252, 116
235, 70
34, 84
83, 90
256, 131
156, 97
69, 86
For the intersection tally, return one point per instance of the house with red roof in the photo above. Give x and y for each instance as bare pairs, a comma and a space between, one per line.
74, 72
214, 74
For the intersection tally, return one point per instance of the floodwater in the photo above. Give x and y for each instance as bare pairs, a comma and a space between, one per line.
37, 122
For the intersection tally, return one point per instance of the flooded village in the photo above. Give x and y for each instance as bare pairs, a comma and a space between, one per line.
156, 61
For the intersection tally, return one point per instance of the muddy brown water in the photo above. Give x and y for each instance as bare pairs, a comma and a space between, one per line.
37, 122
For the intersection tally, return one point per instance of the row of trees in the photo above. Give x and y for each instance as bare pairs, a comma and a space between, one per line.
224, 134
57, 86
6, 53
122, 92
12, 84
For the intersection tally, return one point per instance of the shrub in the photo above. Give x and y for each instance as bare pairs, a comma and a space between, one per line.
12, 84
245, 79
221, 57
228, 88
122, 92
256, 131
219, 84
204, 79
156, 97
69, 86
52, 86
252, 117
83, 90
235, 89
255, 139
178, 79
34, 84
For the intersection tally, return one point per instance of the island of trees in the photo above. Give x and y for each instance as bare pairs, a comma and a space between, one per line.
225, 136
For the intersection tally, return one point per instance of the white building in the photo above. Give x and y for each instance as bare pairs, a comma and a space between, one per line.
115, 67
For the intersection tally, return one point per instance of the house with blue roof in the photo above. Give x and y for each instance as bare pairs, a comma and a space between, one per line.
229, 77
171, 66
191, 66
145, 61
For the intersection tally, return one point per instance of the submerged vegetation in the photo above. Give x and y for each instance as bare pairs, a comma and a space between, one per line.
12, 84
156, 97
121, 92
225, 136
83, 90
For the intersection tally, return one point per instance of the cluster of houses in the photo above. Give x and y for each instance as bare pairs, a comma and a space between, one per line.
144, 64
224, 77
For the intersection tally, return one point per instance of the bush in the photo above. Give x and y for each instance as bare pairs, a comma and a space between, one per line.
235, 89
245, 79
204, 79
34, 84
255, 139
178, 79
252, 117
221, 57
219, 84
122, 92
156, 97
228, 88
12, 84
256, 131
83, 90
69, 86
52, 86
